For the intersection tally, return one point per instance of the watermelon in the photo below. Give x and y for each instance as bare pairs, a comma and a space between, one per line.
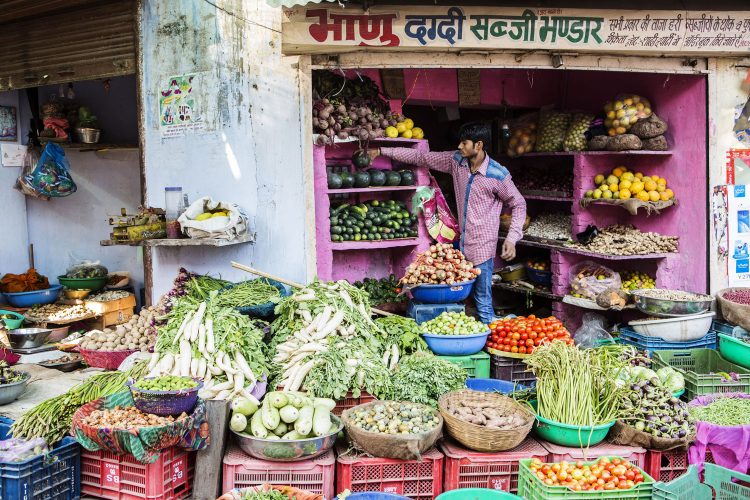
377, 177
347, 180
334, 181
361, 179
392, 178
407, 178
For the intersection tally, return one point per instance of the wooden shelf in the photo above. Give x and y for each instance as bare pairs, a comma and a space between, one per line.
591, 153
590, 304
374, 245
382, 140
511, 287
383, 189
547, 198
182, 242
98, 147
563, 248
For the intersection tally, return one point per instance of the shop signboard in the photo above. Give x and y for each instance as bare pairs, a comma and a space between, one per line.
738, 225
320, 29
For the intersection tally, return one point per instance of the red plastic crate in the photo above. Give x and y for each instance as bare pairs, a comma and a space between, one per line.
241, 471
122, 477
465, 468
410, 478
559, 453
351, 402
668, 465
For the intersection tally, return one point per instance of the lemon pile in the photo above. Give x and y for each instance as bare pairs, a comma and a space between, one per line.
404, 128
211, 215
634, 280
623, 184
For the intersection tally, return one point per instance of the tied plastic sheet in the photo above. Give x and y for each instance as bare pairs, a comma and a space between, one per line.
51, 176
18, 450
729, 446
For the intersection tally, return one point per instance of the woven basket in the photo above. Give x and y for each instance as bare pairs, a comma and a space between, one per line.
737, 314
479, 437
165, 403
396, 446
108, 360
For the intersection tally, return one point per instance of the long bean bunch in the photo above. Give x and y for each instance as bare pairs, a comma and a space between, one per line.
576, 386
248, 293
728, 412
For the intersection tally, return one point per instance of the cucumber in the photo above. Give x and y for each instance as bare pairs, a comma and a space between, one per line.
304, 422
321, 420
256, 426
289, 414
270, 415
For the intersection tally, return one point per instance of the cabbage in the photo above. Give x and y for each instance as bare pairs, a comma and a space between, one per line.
675, 382
664, 373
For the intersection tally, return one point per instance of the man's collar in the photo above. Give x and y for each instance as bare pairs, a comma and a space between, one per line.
464, 162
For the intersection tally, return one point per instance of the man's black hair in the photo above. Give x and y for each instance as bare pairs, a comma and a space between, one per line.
475, 132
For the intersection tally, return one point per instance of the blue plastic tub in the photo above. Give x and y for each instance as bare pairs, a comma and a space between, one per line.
262, 310
425, 312
492, 385
28, 299
442, 294
456, 345
55, 476
375, 495
539, 277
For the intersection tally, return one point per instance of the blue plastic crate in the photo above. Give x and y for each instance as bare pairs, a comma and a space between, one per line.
629, 336
55, 476
425, 312
492, 385
722, 327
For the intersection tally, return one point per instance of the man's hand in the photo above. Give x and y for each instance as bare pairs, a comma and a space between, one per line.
508, 251
373, 153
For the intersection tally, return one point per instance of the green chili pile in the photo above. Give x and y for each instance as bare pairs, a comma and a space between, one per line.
727, 412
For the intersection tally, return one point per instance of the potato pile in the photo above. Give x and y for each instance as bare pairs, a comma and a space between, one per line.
127, 418
138, 334
486, 414
440, 264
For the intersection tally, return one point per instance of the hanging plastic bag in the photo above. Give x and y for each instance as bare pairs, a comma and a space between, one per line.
51, 176
592, 332
33, 153
441, 224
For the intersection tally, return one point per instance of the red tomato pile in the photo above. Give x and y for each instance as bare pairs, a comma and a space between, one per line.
523, 334
606, 474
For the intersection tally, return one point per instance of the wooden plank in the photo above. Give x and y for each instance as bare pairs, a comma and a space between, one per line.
181, 242
393, 83
207, 483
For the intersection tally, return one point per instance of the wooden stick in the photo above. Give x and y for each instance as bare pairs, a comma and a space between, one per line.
292, 284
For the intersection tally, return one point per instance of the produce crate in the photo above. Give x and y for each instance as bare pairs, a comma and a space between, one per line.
410, 478
633, 454
425, 312
350, 401
629, 336
531, 487
697, 365
666, 466
55, 476
510, 369
727, 484
121, 477
722, 327
476, 365
465, 468
735, 349
687, 486
111, 318
241, 471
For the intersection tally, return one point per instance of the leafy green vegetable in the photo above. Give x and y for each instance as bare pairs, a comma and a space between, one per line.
423, 378
404, 332
382, 291
264, 495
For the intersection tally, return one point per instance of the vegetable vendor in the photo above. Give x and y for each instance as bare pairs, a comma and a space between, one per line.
483, 187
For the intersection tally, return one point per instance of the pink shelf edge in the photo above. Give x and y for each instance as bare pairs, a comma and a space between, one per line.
370, 245
383, 189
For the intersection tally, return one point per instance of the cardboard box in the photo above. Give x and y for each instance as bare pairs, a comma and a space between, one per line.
111, 318
112, 305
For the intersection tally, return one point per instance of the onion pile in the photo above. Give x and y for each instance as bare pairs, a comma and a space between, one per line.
335, 119
440, 265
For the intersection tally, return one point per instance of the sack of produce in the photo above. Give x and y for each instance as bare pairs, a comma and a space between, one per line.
206, 218
734, 304
393, 429
627, 435
658, 143
441, 224
523, 135
588, 279
624, 142
553, 126
723, 428
624, 112
575, 137
19, 450
650, 127
51, 176
23, 183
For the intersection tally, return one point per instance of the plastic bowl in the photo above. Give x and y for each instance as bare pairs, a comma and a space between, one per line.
91, 284
571, 435
442, 294
165, 403
476, 494
492, 385
288, 450
675, 329
456, 345
11, 392
14, 322
37, 297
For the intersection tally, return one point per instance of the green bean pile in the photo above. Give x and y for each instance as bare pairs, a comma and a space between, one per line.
200, 287
51, 419
248, 293
728, 412
577, 386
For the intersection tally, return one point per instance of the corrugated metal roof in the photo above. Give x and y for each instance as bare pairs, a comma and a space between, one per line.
292, 3
93, 42
17, 10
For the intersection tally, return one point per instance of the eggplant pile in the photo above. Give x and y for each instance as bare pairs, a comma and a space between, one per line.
651, 408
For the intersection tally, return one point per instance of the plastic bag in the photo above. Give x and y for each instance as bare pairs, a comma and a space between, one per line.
86, 269
51, 176
588, 279
624, 111
441, 224
575, 137
20, 450
33, 153
728, 445
223, 227
553, 126
591, 331
523, 135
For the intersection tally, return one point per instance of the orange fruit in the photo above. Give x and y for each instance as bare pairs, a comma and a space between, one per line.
670, 194
637, 187
649, 185
653, 195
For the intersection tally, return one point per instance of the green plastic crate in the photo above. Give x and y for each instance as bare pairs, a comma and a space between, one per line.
477, 365
697, 365
725, 482
531, 487
687, 486
734, 350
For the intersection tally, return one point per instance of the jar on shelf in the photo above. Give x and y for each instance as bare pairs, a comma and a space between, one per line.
172, 208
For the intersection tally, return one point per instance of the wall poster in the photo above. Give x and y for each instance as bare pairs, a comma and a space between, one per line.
738, 223
179, 111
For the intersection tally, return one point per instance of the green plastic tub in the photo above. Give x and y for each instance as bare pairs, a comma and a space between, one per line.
701, 369
92, 284
571, 435
728, 484
476, 494
14, 321
476, 365
734, 350
686, 486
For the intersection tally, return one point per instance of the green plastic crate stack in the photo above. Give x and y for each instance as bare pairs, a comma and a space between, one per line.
531, 487
687, 486
476, 365
725, 482
705, 371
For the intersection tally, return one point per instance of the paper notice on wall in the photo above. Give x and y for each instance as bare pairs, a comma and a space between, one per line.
738, 223
12, 155
179, 109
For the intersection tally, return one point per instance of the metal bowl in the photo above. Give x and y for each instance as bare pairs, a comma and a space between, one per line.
88, 135
28, 338
67, 366
11, 392
282, 450
76, 294
665, 308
